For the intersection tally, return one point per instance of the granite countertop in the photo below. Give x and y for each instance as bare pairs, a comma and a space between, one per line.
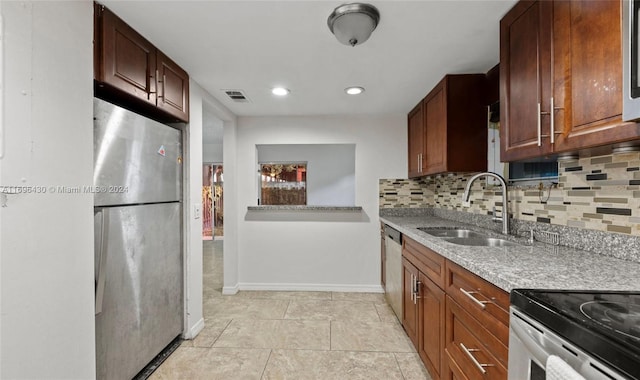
538, 266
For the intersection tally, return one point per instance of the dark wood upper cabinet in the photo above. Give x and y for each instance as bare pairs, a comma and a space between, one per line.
587, 74
524, 79
454, 127
130, 71
173, 88
561, 78
416, 134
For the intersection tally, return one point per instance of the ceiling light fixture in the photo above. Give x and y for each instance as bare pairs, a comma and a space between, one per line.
355, 90
280, 91
352, 24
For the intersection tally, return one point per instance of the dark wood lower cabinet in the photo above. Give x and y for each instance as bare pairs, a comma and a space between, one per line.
451, 369
471, 346
410, 315
431, 327
456, 320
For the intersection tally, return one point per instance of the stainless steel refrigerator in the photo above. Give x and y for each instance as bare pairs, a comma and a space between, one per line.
138, 240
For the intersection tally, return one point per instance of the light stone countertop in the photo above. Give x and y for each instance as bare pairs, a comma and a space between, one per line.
537, 266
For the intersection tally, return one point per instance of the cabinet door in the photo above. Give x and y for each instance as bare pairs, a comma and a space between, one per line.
127, 61
416, 141
173, 88
587, 74
435, 109
471, 346
409, 304
431, 329
525, 70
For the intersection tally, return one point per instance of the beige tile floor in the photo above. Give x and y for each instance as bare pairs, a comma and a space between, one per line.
292, 335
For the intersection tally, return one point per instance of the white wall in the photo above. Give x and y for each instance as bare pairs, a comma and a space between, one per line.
194, 319
330, 170
46, 240
324, 255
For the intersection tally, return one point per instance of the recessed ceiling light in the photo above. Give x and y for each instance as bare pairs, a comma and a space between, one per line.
354, 90
280, 91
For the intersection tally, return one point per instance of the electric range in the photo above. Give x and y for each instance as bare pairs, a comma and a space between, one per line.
598, 332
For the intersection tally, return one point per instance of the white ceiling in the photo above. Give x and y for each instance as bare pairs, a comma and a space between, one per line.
255, 45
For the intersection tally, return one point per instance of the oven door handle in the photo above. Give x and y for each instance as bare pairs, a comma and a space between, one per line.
534, 349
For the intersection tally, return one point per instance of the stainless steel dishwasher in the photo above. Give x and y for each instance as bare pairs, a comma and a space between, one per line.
393, 270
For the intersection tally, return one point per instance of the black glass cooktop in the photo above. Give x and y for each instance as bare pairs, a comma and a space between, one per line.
604, 324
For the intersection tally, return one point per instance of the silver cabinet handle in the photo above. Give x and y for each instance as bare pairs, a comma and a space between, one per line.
475, 361
412, 294
539, 126
540, 113
413, 288
553, 121
482, 304
416, 296
552, 115
102, 259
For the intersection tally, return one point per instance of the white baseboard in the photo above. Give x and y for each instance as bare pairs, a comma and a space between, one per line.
195, 329
310, 287
230, 290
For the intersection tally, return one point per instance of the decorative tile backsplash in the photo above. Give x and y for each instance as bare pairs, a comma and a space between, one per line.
598, 193
405, 193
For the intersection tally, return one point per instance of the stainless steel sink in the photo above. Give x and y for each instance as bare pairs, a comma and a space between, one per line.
451, 232
480, 241
463, 236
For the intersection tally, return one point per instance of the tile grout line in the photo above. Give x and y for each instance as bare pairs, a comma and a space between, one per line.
266, 363
399, 368
284, 316
221, 332
377, 312
330, 334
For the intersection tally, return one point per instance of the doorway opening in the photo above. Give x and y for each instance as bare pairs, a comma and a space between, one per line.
212, 201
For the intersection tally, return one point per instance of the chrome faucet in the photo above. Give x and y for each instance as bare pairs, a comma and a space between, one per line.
505, 205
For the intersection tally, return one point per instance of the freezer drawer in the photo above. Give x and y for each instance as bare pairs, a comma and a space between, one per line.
140, 267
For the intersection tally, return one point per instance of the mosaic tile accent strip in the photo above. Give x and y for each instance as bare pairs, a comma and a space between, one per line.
398, 193
596, 193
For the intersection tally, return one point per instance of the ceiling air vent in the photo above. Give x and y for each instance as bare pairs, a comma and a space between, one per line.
237, 96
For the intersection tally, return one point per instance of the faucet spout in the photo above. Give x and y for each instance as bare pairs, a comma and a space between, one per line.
505, 204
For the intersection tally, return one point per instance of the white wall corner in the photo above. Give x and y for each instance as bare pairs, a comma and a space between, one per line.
230, 290
193, 332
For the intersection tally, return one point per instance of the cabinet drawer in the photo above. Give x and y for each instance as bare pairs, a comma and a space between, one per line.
452, 369
478, 353
486, 302
426, 260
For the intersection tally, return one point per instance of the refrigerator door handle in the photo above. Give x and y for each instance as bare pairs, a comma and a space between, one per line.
101, 256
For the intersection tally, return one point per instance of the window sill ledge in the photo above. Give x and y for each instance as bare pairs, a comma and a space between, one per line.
306, 214
305, 208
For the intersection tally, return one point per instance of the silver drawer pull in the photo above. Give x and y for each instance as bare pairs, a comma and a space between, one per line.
412, 288
480, 366
482, 304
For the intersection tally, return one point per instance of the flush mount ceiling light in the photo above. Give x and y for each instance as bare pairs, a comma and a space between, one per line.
353, 23
280, 91
355, 90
